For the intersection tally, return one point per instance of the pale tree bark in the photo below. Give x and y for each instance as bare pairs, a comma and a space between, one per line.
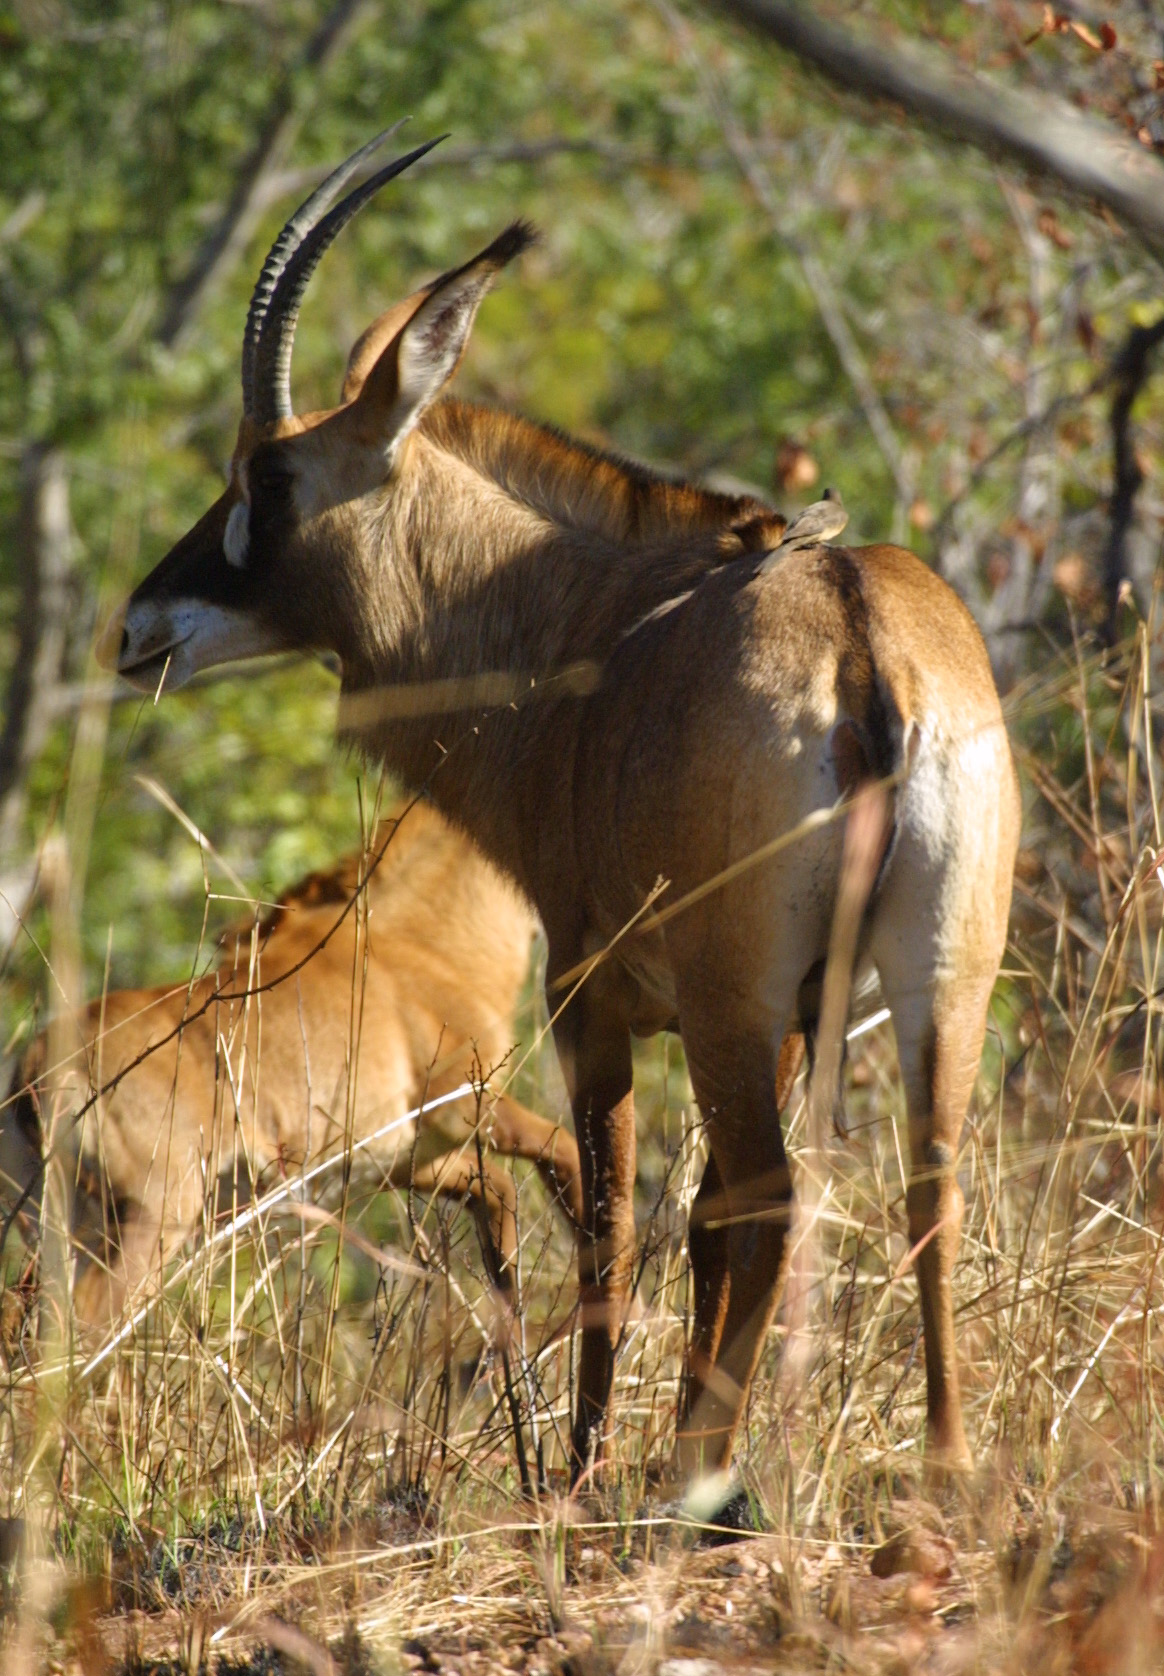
1020, 126
1006, 611
45, 545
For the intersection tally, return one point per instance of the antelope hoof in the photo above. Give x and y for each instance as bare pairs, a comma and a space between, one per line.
947, 1466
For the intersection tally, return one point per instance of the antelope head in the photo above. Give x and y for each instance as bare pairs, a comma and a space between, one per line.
275, 564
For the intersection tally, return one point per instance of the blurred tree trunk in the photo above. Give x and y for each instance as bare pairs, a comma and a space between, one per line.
45, 560
1129, 375
1013, 605
44, 528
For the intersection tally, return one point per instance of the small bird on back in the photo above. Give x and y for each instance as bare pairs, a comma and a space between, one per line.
820, 522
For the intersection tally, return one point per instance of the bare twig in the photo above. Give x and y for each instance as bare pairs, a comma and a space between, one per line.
815, 273
291, 183
1025, 428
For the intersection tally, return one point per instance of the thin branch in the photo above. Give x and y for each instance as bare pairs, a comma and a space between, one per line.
1020, 432
227, 239
1022, 126
815, 273
22, 217
292, 183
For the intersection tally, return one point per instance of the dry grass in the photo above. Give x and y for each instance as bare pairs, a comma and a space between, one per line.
309, 1449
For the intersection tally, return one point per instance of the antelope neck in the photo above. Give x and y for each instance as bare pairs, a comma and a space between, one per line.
492, 622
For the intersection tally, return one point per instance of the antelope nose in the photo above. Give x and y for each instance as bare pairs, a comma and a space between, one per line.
111, 640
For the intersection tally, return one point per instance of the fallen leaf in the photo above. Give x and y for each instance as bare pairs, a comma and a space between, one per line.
1086, 35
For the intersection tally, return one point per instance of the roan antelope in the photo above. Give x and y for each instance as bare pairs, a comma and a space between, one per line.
590, 671
335, 1032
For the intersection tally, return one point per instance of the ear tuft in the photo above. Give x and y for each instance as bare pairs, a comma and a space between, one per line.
414, 367
516, 238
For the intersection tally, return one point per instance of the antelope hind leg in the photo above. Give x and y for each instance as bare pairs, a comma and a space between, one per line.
708, 1244
743, 1217
939, 1042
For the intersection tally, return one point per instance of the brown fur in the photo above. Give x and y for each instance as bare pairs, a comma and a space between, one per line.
417, 995
577, 487
551, 642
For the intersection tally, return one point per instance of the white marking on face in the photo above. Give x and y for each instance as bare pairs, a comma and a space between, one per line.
237, 537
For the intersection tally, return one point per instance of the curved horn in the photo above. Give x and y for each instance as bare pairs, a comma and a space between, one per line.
285, 246
270, 368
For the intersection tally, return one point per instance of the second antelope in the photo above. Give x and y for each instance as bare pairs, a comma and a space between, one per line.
646, 725
340, 1025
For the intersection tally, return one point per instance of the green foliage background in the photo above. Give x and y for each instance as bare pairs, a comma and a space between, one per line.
662, 313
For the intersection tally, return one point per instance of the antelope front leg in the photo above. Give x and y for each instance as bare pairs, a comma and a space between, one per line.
939, 1042
594, 1048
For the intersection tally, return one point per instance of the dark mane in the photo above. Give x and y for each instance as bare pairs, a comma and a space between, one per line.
582, 487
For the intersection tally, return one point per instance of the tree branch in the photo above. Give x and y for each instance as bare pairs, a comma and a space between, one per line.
289, 183
815, 273
1042, 134
226, 241
1019, 433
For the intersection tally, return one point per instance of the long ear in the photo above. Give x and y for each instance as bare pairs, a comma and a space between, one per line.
371, 344
425, 352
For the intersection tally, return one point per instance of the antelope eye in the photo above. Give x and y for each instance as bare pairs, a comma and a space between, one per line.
268, 474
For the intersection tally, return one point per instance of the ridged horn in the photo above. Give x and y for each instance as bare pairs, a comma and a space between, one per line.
285, 246
294, 257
